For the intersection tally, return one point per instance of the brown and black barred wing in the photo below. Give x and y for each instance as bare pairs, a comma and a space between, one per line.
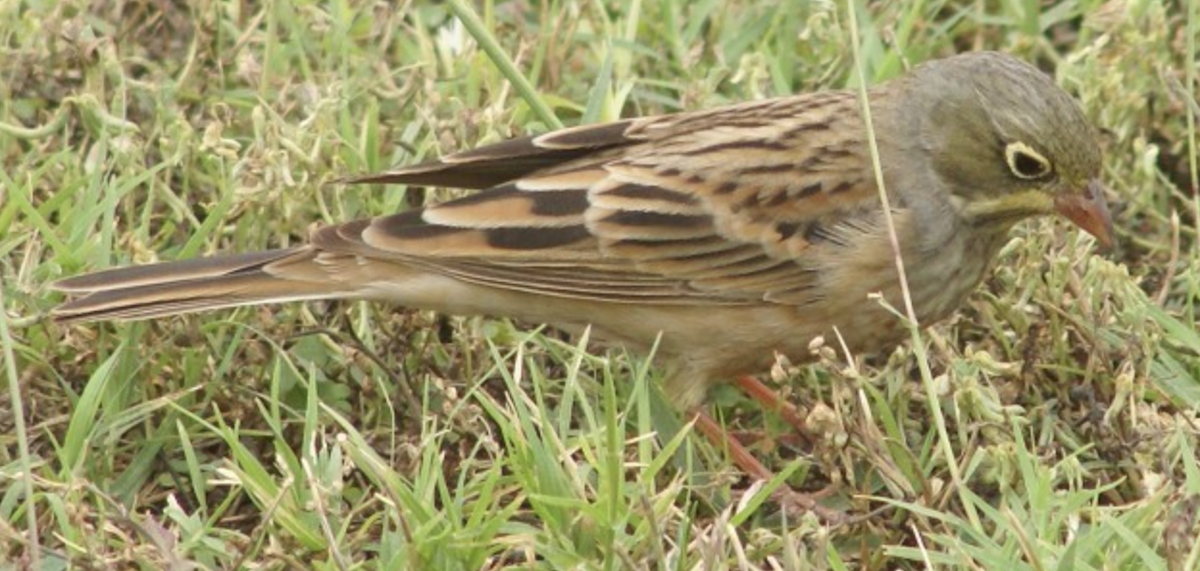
725, 206
717, 207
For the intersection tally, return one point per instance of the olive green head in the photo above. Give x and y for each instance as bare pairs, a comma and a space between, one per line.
1007, 142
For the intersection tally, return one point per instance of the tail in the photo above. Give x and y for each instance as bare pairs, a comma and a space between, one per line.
155, 290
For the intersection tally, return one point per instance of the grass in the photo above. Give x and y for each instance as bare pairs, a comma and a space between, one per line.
361, 436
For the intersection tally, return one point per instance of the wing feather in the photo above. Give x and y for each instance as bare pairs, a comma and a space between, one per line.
737, 205
718, 207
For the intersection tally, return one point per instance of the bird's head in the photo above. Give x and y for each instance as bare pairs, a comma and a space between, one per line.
1008, 142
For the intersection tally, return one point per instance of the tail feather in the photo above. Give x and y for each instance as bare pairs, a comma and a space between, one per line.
170, 288
168, 272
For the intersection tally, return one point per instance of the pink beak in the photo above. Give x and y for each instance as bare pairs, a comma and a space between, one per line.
1088, 211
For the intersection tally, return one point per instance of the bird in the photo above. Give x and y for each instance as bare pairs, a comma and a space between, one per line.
721, 238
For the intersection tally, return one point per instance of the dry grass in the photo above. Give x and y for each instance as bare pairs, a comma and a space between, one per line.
359, 436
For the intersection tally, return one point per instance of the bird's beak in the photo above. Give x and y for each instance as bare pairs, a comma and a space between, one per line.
1088, 211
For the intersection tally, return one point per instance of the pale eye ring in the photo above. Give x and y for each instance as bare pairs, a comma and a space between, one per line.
1026, 163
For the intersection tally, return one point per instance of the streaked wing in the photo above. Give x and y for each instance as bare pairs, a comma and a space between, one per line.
716, 206
495, 164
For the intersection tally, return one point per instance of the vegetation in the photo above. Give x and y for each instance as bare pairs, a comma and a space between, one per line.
364, 436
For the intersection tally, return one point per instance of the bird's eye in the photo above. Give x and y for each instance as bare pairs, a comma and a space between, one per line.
1026, 163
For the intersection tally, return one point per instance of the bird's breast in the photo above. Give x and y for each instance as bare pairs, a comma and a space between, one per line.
861, 294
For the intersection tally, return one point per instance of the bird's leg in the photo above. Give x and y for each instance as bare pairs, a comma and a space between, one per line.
756, 390
770, 400
790, 499
741, 456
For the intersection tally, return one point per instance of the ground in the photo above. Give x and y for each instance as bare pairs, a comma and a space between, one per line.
1052, 424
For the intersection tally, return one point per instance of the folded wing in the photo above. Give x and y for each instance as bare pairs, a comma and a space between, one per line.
725, 206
